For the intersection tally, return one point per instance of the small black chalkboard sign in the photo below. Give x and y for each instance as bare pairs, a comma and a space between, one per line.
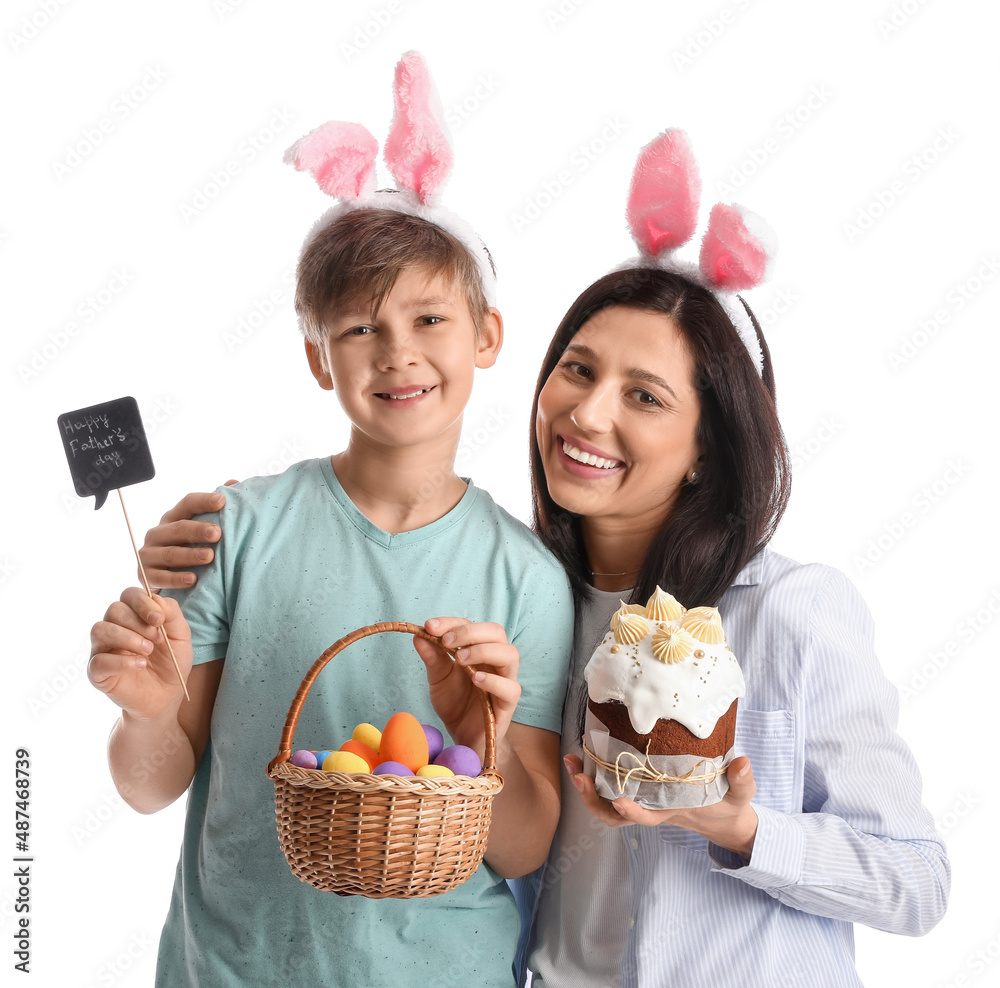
106, 448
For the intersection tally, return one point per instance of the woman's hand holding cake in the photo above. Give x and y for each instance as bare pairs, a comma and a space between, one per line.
664, 687
730, 823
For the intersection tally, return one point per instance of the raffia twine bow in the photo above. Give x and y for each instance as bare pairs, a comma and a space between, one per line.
644, 771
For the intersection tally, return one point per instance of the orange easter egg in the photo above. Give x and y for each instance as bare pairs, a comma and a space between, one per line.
404, 741
361, 749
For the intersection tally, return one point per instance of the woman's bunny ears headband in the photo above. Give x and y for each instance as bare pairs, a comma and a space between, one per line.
342, 156
738, 246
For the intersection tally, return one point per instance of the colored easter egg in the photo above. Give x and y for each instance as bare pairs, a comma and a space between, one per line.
322, 756
361, 749
304, 759
391, 768
460, 759
367, 734
345, 761
434, 772
435, 741
403, 740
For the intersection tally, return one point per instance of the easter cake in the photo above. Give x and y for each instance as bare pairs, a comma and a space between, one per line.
663, 690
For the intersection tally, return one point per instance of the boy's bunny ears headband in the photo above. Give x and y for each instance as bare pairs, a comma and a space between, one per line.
738, 246
342, 156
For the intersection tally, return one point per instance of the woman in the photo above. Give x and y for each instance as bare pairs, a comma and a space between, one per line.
822, 825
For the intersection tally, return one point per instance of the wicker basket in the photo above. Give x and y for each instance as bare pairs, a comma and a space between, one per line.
381, 836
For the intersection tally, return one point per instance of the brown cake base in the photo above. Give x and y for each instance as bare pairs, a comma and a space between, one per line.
668, 737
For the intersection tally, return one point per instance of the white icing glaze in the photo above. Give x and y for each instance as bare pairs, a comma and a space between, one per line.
695, 692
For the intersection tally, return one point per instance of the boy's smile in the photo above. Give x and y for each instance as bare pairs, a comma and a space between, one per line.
404, 374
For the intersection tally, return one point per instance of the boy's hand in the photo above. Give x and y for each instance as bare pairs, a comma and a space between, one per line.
484, 647
174, 543
129, 660
731, 823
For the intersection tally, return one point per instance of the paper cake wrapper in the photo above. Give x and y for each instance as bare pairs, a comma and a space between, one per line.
658, 795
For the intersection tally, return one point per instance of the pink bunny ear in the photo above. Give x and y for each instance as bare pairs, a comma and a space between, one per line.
663, 199
341, 156
737, 249
417, 150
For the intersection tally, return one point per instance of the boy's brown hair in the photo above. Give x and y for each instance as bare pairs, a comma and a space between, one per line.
357, 259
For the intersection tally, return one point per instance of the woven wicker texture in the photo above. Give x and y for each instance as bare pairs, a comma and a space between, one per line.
381, 836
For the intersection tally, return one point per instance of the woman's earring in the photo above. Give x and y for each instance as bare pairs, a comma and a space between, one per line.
693, 479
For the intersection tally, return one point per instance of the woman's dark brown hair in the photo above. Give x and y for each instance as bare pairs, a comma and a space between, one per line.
720, 522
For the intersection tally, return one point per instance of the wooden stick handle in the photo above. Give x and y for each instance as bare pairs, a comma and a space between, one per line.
149, 593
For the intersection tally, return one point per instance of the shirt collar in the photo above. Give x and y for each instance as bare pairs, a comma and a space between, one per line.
753, 572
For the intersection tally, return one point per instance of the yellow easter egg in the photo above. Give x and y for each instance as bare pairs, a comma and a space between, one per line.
368, 734
345, 761
435, 772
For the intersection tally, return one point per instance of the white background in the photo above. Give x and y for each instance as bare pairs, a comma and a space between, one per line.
865, 132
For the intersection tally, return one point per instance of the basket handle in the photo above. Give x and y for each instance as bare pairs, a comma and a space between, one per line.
292, 720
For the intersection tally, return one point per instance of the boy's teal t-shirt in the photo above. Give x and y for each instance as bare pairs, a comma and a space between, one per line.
297, 568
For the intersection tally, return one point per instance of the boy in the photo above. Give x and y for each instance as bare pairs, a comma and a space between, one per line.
396, 323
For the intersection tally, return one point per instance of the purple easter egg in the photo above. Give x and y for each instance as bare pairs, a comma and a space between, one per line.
460, 759
391, 768
304, 759
435, 741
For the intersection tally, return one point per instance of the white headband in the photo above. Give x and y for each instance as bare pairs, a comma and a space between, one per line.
738, 247
341, 157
